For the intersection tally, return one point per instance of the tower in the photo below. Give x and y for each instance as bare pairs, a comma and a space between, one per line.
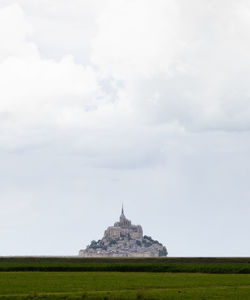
122, 214
124, 222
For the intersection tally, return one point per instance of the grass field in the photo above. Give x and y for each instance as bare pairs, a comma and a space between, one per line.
68, 284
117, 285
189, 265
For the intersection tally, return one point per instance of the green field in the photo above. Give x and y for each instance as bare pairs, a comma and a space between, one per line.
117, 285
107, 284
188, 265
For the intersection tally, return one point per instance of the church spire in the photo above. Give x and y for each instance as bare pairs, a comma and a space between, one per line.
122, 210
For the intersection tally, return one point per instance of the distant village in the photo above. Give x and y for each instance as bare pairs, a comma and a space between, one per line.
124, 240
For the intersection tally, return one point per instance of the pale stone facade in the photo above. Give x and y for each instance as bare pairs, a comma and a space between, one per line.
124, 240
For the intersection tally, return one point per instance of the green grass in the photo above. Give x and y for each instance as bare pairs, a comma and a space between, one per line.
189, 265
116, 285
125, 279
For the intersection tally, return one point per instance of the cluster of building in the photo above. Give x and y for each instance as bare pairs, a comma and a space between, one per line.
124, 240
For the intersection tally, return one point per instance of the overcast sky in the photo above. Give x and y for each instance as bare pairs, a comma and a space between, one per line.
145, 102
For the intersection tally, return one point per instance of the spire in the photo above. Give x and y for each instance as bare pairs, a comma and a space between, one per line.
122, 210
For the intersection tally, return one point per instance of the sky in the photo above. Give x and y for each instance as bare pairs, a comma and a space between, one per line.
143, 102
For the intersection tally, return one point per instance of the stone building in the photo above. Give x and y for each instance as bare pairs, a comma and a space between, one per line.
124, 240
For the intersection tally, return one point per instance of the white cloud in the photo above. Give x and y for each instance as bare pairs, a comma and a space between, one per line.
38, 93
184, 63
137, 38
160, 62
44, 89
14, 33
68, 105
156, 67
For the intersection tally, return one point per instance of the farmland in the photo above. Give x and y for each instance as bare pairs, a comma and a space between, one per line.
180, 265
165, 278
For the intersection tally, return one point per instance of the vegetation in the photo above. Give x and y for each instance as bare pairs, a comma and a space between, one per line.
115, 285
177, 265
152, 241
112, 242
163, 252
146, 278
148, 241
99, 244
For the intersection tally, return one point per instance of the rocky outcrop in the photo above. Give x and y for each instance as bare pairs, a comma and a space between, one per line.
124, 240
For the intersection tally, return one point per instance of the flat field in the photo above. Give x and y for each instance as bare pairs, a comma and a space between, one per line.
46, 283
118, 285
181, 265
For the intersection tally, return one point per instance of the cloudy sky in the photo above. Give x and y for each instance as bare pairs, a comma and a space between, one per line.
145, 102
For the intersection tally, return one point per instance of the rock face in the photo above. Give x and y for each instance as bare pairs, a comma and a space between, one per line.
124, 240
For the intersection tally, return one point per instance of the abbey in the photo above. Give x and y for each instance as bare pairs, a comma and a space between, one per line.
124, 240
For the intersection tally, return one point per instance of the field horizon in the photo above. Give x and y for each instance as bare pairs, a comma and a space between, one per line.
220, 265
124, 278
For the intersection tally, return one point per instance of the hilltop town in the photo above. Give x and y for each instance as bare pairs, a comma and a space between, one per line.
124, 240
